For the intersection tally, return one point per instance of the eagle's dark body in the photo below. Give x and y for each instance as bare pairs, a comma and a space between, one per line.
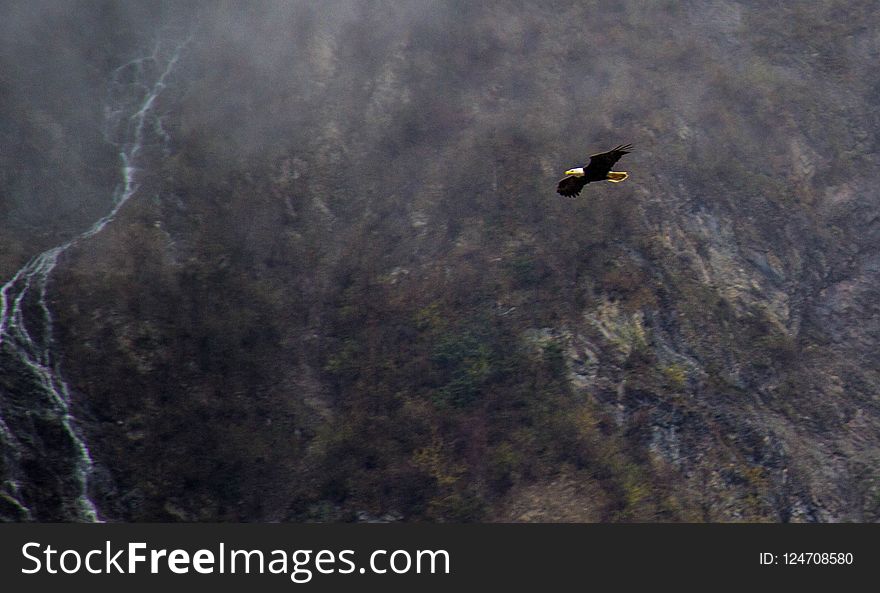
598, 169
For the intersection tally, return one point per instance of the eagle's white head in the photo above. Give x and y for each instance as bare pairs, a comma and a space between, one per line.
578, 172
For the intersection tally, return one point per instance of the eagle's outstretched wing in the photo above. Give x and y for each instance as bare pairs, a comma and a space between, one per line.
571, 185
601, 163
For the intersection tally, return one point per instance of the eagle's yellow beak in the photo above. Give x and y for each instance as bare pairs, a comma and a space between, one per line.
571, 172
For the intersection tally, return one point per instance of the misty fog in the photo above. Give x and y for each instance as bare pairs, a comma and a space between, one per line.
343, 287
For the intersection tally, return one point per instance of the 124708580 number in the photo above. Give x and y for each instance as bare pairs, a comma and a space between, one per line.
818, 558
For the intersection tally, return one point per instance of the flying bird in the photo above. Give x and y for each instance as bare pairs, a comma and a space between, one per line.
598, 169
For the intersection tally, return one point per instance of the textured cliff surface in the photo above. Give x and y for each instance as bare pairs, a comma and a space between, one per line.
346, 290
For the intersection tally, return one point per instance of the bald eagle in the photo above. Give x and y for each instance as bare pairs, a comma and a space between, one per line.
598, 169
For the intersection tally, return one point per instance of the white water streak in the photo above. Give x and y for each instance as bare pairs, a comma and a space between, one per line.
31, 340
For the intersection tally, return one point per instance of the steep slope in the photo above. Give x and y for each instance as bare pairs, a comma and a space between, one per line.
350, 292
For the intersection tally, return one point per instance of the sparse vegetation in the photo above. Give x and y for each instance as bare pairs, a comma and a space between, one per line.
326, 299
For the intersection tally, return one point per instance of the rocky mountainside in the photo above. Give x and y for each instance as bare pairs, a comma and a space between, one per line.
345, 290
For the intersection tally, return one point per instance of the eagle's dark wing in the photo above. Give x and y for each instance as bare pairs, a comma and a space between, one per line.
601, 163
571, 185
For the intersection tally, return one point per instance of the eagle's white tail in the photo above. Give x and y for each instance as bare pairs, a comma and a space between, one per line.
616, 176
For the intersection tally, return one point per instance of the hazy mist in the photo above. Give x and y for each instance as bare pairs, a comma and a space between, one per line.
345, 288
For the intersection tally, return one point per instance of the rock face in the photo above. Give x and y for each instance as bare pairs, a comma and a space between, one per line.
346, 290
